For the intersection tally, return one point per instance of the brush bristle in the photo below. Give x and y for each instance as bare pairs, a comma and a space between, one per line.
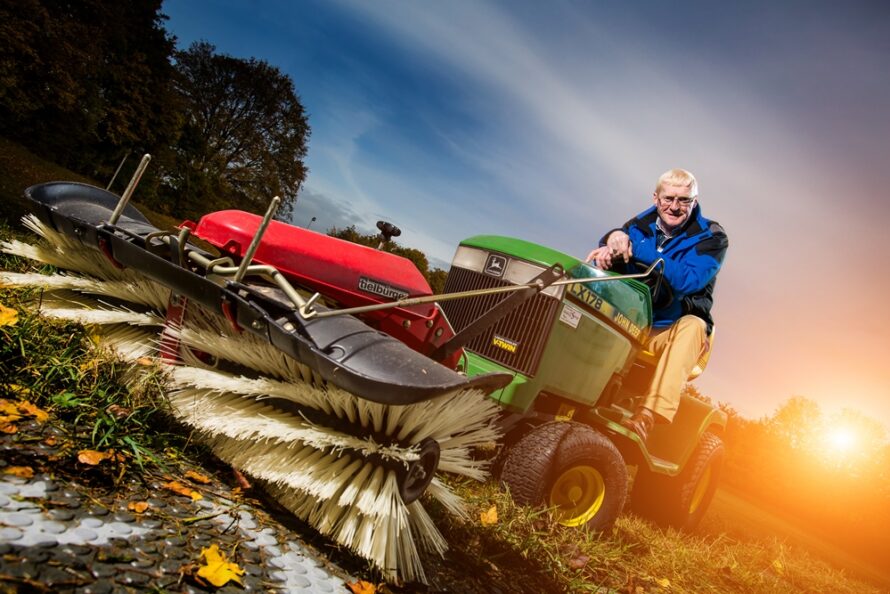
269, 419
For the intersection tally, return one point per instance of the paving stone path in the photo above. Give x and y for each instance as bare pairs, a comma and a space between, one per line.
66, 535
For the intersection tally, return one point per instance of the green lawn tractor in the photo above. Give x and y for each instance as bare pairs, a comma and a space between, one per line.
576, 354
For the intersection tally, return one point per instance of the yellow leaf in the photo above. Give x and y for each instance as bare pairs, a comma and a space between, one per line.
490, 517
218, 571
145, 361
92, 457
19, 471
779, 567
9, 409
181, 489
362, 587
198, 478
137, 506
30, 409
8, 317
663, 582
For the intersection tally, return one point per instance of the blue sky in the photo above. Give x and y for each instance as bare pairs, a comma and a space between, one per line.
551, 121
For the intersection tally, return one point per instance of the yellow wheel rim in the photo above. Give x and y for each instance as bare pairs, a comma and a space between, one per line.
700, 489
578, 495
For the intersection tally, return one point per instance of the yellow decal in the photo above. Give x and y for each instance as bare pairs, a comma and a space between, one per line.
565, 412
504, 343
588, 297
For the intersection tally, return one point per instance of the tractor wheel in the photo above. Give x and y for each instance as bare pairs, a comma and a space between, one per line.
681, 501
570, 467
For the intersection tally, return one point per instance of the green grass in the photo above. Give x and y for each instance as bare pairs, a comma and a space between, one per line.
637, 557
55, 365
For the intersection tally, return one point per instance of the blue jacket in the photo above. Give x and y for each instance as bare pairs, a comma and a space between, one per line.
692, 259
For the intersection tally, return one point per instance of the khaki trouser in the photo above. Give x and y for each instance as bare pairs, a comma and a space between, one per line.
678, 348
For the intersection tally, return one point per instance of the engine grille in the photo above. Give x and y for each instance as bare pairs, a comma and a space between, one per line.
527, 327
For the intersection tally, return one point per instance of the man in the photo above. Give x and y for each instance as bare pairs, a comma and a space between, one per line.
693, 249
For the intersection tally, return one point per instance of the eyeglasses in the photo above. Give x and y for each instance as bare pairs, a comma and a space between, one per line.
683, 201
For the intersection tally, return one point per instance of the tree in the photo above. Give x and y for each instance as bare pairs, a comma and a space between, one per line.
83, 83
797, 422
244, 137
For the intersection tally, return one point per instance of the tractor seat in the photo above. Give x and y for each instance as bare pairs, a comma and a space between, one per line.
649, 359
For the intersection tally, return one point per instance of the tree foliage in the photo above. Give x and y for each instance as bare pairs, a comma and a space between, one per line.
87, 83
83, 83
435, 277
244, 135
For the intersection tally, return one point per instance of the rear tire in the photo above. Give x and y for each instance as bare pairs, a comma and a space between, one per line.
681, 501
571, 467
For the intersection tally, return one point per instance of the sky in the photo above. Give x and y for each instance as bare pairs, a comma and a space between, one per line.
551, 122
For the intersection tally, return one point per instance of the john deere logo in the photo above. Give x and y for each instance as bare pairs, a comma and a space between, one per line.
504, 343
495, 265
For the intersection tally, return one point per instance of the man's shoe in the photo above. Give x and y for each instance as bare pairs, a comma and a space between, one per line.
640, 423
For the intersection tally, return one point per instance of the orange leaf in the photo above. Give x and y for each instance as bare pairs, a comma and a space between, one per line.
137, 506
8, 317
198, 478
92, 457
490, 517
362, 587
145, 361
218, 570
181, 489
50, 441
7, 428
30, 409
7, 407
19, 471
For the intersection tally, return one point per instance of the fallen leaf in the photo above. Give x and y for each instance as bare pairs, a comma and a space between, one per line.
50, 441
34, 411
779, 567
198, 478
118, 412
242, 480
578, 562
137, 506
9, 409
218, 571
490, 517
92, 457
145, 361
8, 428
362, 587
181, 489
19, 471
8, 317
663, 582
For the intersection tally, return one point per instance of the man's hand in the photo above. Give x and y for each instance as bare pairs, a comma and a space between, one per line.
618, 245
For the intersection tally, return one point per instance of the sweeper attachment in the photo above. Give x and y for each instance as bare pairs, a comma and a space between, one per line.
345, 425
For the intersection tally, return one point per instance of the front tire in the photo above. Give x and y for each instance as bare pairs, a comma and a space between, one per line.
572, 468
680, 502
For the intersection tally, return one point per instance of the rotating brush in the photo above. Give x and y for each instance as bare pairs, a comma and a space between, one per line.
350, 467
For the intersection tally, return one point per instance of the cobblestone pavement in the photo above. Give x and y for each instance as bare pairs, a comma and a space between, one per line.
60, 532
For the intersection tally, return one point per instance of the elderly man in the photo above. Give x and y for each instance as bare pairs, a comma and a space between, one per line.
693, 249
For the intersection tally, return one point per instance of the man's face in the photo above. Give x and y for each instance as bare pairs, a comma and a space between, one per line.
669, 204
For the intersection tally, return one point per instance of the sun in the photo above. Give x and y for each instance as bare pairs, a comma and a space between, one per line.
841, 440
